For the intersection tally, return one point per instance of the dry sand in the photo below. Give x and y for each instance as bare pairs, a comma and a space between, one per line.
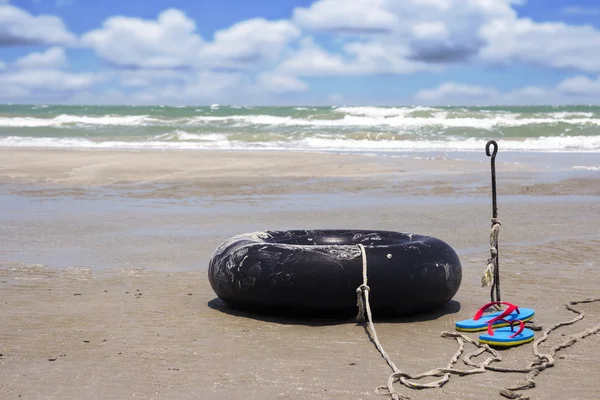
105, 294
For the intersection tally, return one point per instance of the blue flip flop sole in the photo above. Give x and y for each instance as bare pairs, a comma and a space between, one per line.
469, 325
501, 337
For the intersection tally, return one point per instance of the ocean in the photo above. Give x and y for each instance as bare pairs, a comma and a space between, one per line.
370, 130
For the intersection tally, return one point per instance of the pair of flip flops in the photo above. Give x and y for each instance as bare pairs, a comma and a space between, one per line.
500, 325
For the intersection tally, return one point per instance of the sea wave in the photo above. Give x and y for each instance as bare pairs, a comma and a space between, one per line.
384, 119
187, 136
568, 114
184, 140
370, 111
398, 122
65, 119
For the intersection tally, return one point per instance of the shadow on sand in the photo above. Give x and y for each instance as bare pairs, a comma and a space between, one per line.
287, 318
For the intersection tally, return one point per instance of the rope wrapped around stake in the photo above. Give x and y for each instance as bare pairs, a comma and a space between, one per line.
491, 274
541, 362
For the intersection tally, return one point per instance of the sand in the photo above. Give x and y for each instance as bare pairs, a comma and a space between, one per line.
104, 256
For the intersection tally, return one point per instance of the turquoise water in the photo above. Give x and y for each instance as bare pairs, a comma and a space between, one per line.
338, 129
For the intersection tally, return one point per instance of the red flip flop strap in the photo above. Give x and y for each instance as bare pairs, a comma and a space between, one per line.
521, 327
511, 323
511, 307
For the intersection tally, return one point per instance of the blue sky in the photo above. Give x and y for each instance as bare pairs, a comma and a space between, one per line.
300, 52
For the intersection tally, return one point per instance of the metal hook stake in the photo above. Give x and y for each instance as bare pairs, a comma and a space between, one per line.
496, 285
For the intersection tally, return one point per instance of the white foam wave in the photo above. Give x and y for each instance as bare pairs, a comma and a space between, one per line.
381, 111
377, 112
400, 122
65, 119
438, 119
569, 114
549, 144
587, 168
186, 136
80, 143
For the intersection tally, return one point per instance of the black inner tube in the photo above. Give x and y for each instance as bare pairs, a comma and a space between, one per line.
318, 271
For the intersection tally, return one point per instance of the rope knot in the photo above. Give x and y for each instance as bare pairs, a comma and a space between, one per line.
496, 221
363, 288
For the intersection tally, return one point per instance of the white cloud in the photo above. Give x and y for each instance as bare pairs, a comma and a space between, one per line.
432, 31
18, 27
40, 76
165, 59
171, 41
173, 64
168, 42
192, 87
48, 79
529, 94
449, 31
456, 93
357, 58
199, 87
248, 42
356, 16
550, 44
376, 57
310, 59
580, 85
572, 90
429, 30
54, 57
581, 11
275, 83
140, 78
29, 84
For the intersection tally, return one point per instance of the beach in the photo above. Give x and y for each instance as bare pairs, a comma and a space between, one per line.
103, 270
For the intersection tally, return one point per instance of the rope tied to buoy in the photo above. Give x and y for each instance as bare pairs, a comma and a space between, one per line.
364, 308
541, 362
362, 292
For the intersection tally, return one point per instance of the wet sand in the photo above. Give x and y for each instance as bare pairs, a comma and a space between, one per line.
104, 256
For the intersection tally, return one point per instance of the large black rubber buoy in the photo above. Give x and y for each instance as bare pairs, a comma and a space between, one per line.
316, 272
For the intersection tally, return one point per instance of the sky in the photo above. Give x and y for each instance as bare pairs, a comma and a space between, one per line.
299, 52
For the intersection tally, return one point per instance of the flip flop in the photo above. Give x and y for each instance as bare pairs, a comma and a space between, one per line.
506, 337
480, 322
